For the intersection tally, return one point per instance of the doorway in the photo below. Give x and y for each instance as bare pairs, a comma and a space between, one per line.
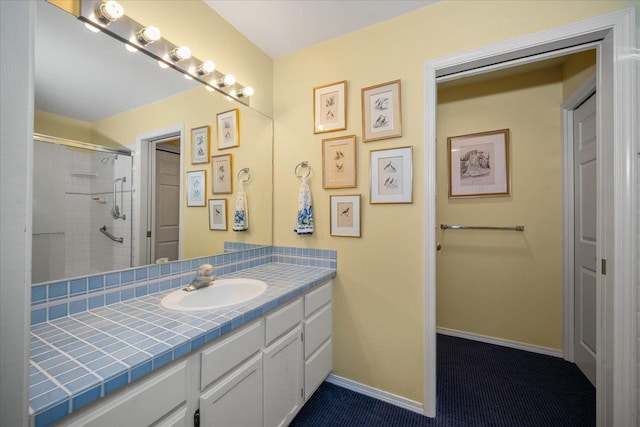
612, 34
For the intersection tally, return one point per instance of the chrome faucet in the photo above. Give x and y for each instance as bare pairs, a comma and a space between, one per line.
204, 278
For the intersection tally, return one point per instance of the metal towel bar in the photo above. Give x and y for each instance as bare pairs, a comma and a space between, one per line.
468, 227
104, 231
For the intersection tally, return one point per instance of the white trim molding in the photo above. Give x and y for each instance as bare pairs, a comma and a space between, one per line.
615, 34
391, 398
501, 342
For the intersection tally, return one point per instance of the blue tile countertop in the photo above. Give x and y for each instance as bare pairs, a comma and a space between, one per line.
77, 359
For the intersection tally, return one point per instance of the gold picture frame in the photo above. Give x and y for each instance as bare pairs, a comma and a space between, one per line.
382, 111
330, 107
200, 145
222, 174
228, 135
479, 164
339, 162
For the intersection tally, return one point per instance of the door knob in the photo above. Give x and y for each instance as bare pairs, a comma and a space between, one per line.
438, 246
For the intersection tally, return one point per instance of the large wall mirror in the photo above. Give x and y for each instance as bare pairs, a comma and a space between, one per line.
114, 151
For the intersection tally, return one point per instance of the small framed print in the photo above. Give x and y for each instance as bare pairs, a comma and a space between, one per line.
339, 162
381, 111
228, 129
222, 173
391, 175
196, 188
479, 164
217, 214
200, 145
345, 215
330, 107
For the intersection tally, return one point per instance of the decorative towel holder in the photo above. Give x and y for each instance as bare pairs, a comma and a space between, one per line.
245, 171
303, 164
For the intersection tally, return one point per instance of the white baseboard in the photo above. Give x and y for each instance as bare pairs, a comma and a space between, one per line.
376, 394
498, 341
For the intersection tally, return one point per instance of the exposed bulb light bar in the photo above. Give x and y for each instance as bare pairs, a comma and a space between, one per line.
203, 69
228, 80
148, 35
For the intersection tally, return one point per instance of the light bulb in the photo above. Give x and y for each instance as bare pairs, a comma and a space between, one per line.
148, 35
180, 53
228, 80
246, 92
205, 68
108, 12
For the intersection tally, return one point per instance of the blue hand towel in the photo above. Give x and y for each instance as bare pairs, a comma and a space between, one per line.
241, 215
305, 209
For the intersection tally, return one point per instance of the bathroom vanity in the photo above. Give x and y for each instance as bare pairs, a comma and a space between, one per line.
255, 364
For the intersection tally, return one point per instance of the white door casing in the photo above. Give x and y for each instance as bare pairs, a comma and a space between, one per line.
585, 225
614, 34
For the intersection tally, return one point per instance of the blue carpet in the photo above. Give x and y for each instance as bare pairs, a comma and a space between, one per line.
478, 385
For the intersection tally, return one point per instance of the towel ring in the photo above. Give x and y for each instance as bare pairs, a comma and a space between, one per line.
246, 171
303, 164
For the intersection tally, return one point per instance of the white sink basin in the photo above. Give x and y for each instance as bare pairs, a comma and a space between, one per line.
223, 293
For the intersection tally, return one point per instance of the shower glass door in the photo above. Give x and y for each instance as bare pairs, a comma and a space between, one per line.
82, 203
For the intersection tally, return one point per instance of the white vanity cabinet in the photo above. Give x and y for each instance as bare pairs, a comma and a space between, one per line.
258, 375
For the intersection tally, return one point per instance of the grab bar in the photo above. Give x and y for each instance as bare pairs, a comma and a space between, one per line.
468, 227
104, 231
115, 211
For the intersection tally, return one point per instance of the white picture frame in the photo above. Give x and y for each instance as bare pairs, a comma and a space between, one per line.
392, 175
345, 215
196, 188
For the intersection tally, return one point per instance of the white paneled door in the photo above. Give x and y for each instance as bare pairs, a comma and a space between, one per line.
585, 204
167, 212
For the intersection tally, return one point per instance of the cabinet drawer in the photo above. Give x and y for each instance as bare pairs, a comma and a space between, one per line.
237, 399
141, 404
317, 329
228, 353
283, 320
317, 298
317, 368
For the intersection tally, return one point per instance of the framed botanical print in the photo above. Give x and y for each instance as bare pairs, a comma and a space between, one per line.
217, 214
196, 188
392, 175
381, 111
330, 107
200, 145
339, 162
228, 129
222, 172
479, 164
345, 215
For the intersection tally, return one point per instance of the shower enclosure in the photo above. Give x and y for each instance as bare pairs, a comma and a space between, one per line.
82, 203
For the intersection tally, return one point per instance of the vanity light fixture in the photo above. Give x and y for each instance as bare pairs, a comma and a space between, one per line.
203, 69
228, 80
180, 53
245, 92
148, 35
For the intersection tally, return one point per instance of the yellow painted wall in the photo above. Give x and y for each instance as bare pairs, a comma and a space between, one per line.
505, 284
576, 70
378, 293
193, 109
61, 126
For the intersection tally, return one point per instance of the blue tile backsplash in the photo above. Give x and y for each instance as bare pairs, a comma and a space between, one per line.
54, 300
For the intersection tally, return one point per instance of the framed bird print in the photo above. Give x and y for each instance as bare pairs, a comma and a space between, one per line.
381, 111
392, 175
345, 215
339, 162
217, 214
196, 184
228, 129
330, 107
200, 145
222, 174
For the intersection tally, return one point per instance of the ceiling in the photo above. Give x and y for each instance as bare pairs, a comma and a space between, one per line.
281, 27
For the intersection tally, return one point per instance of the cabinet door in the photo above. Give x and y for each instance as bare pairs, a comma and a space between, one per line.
283, 373
235, 400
